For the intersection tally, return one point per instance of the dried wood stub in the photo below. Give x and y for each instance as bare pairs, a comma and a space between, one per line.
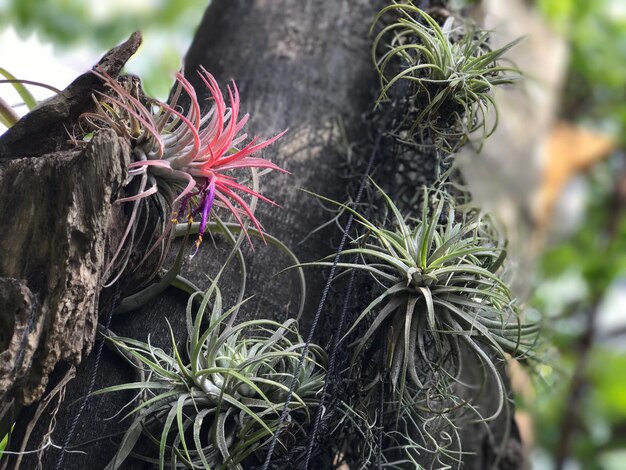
56, 216
44, 129
20, 330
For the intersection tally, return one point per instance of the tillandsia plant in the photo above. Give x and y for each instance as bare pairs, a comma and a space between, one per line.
449, 72
441, 283
186, 164
220, 407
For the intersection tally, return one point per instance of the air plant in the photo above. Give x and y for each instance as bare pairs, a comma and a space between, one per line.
185, 163
222, 405
441, 283
449, 73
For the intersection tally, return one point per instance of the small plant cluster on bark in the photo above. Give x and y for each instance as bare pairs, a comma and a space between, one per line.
435, 264
217, 404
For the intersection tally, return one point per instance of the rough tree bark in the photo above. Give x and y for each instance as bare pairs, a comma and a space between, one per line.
54, 250
54, 247
298, 65
58, 216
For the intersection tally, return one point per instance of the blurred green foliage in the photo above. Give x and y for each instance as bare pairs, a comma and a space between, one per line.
601, 422
596, 30
582, 271
592, 261
598, 249
577, 277
68, 22
609, 385
167, 25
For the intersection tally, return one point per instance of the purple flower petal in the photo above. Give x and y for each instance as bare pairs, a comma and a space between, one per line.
208, 203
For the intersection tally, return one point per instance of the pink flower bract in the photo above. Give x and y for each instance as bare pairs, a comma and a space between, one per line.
194, 157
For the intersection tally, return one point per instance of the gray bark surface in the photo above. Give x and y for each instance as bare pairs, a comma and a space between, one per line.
53, 255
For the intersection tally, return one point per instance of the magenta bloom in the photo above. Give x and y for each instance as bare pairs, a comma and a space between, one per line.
195, 159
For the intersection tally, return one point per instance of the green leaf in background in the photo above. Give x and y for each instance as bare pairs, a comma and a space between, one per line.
8, 117
599, 256
609, 386
28, 98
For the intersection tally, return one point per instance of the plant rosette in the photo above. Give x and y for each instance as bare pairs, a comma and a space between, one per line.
222, 405
185, 164
449, 73
440, 276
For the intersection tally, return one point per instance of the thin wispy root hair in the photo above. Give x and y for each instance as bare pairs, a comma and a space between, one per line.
219, 407
448, 73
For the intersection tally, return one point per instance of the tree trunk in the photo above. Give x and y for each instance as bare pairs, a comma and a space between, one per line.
299, 65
